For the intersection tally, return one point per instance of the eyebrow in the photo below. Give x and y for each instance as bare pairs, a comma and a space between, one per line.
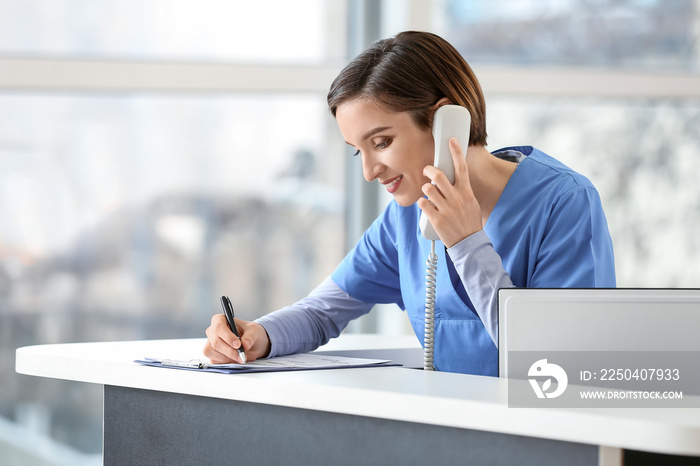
371, 133
374, 131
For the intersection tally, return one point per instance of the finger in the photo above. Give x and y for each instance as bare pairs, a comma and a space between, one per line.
435, 175
256, 341
247, 341
440, 194
462, 185
219, 344
439, 178
460, 163
424, 203
433, 193
461, 173
214, 356
225, 350
428, 209
251, 341
220, 327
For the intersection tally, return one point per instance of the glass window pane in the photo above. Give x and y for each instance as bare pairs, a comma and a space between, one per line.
642, 157
127, 216
641, 34
219, 30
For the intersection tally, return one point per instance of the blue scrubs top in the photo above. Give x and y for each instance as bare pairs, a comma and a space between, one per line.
548, 228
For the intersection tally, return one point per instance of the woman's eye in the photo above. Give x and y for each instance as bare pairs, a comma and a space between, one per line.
357, 152
383, 144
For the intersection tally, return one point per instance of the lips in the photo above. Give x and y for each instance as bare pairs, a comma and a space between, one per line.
393, 184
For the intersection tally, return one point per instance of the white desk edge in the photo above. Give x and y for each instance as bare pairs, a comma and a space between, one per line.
453, 400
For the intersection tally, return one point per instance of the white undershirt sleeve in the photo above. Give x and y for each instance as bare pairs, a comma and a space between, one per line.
482, 273
312, 321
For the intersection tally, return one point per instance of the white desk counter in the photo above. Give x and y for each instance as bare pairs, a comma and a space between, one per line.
458, 402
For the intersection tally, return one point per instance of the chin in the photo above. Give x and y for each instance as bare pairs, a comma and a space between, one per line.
405, 201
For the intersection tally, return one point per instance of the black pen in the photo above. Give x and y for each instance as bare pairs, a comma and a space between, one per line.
228, 312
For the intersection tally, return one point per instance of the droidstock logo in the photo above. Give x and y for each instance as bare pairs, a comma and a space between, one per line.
542, 369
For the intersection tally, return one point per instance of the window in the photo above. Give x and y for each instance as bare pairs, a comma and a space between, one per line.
611, 89
274, 31
638, 34
140, 178
131, 204
640, 154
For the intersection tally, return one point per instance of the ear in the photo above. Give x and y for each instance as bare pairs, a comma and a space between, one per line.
441, 102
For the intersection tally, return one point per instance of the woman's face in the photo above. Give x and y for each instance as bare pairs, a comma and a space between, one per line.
394, 148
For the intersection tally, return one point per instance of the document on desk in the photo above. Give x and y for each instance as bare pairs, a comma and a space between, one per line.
293, 362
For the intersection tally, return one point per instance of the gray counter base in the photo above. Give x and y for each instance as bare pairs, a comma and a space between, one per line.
145, 427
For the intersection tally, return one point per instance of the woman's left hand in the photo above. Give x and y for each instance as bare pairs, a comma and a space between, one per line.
453, 211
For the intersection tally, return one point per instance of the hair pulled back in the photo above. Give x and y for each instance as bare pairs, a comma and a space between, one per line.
410, 73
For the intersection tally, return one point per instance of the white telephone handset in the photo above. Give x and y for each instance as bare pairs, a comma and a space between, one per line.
449, 121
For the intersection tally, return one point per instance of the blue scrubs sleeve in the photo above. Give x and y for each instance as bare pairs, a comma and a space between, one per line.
370, 272
576, 250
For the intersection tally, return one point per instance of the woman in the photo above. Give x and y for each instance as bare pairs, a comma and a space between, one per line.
516, 217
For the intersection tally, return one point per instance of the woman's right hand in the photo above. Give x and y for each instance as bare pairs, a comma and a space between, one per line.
222, 345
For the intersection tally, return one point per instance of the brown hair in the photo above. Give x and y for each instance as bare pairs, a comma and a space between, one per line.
410, 73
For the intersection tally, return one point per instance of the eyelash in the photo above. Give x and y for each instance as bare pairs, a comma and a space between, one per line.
381, 145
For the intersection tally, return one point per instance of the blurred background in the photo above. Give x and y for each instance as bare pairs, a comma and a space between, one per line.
157, 154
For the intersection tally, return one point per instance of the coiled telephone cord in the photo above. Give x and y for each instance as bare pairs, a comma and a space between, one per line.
430, 285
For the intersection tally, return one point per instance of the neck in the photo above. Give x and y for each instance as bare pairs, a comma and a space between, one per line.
488, 176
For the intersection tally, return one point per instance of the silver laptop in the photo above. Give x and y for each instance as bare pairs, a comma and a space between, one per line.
619, 319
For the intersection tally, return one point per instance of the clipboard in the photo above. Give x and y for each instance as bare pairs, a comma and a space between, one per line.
293, 362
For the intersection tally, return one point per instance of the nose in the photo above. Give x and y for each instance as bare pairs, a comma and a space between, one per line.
371, 167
